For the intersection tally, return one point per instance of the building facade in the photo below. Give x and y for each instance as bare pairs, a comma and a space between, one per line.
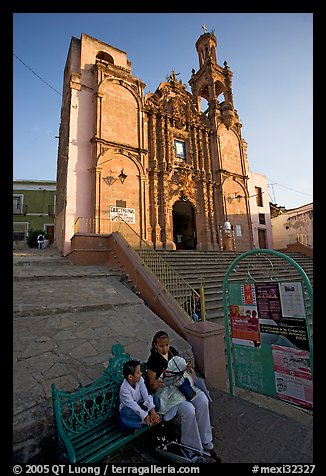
292, 226
33, 208
260, 211
158, 159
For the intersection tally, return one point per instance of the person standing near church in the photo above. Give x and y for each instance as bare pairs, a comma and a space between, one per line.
40, 241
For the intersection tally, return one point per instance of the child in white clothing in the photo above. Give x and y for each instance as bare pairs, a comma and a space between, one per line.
136, 405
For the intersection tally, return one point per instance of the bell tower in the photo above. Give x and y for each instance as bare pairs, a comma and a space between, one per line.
211, 80
229, 165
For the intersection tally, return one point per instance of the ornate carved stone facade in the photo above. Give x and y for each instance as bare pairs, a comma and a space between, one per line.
185, 170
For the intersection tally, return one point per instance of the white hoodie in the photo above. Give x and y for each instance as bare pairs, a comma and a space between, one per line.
169, 395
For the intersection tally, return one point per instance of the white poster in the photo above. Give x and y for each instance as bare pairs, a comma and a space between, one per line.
292, 302
128, 214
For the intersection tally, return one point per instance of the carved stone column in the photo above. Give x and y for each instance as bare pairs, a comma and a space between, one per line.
209, 185
205, 215
161, 152
152, 140
153, 182
199, 150
207, 158
194, 148
161, 141
168, 144
157, 230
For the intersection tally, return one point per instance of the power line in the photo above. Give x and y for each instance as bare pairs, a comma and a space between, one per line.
37, 75
289, 188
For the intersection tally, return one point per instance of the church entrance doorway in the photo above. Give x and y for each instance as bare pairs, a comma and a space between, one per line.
184, 226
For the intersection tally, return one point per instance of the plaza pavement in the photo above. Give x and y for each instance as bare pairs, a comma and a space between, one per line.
67, 317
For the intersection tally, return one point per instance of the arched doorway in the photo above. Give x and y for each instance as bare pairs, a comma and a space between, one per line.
184, 225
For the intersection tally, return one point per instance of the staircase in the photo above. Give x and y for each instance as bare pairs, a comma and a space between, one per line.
208, 268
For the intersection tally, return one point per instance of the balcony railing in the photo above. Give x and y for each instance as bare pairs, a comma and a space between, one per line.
299, 238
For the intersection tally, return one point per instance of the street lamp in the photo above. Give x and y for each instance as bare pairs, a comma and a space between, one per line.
122, 176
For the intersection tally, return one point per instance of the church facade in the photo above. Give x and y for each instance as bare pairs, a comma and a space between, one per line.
178, 174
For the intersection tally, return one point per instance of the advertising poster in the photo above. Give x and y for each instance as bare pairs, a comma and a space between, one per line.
268, 301
292, 300
244, 325
243, 315
293, 378
270, 341
277, 304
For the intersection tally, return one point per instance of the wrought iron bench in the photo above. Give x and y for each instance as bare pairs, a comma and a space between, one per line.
87, 420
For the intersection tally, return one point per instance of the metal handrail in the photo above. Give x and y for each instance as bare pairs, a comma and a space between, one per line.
171, 281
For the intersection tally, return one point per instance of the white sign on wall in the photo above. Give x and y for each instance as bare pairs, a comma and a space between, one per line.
128, 214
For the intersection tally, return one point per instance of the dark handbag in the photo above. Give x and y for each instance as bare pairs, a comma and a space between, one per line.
186, 390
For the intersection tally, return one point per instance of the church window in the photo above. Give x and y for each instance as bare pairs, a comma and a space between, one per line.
259, 196
180, 149
262, 219
104, 57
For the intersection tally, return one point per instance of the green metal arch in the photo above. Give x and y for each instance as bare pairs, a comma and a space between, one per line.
225, 305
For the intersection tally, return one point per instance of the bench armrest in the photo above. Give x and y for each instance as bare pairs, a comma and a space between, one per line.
64, 441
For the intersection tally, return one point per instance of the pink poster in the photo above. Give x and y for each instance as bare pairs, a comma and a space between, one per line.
293, 378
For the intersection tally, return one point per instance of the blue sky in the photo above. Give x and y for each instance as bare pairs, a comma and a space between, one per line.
270, 55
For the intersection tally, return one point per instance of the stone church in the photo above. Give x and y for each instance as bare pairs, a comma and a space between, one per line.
178, 174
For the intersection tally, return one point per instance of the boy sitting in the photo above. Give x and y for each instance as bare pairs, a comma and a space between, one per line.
136, 405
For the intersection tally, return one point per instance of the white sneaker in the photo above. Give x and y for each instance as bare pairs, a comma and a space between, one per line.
208, 446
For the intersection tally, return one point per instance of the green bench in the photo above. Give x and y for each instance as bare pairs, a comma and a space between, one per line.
87, 421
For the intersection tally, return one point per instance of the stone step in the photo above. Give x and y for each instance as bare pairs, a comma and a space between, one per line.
208, 268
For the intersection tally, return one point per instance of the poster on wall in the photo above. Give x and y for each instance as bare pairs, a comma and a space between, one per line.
293, 378
279, 307
128, 214
244, 325
292, 299
269, 333
243, 316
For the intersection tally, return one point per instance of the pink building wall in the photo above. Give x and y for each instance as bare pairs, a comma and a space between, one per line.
81, 172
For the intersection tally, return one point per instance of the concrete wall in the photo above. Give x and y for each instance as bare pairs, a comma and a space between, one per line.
292, 226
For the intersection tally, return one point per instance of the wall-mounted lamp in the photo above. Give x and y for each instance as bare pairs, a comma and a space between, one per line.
122, 176
237, 196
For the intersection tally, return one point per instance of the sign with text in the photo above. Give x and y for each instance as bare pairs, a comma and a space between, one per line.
128, 214
269, 331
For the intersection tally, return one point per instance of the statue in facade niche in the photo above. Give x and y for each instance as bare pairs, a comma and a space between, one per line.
173, 76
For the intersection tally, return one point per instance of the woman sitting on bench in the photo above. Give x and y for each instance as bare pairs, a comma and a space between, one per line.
196, 430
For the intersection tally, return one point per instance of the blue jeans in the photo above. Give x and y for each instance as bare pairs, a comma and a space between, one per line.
197, 317
130, 420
